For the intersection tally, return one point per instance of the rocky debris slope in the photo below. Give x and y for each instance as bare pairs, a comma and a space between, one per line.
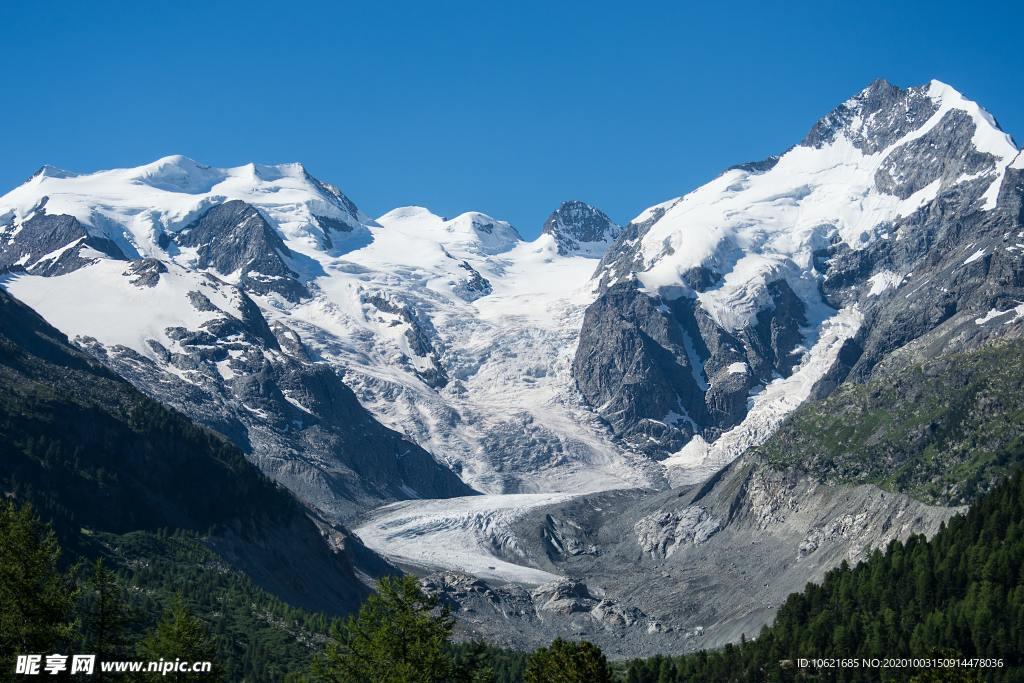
684, 569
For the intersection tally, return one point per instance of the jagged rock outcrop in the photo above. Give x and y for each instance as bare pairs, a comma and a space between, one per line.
474, 285
52, 245
663, 532
146, 272
580, 229
235, 240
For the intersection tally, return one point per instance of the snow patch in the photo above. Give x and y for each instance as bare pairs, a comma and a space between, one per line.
884, 280
738, 368
974, 257
1017, 311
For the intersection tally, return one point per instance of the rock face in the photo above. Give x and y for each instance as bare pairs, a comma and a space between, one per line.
877, 118
52, 245
580, 229
235, 240
663, 532
295, 418
474, 285
709, 300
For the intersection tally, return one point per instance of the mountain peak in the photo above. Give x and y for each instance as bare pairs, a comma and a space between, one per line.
876, 117
48, 171
580, 229
882, 114
405, 213
476, 231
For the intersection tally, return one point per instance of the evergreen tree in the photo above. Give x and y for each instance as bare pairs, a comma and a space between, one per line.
104, 616
568, 662
180, 635
473, 663
399, 636
36, 599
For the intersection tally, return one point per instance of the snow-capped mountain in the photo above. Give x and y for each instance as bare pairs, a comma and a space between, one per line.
242, 296
361, 361
890, 237
723, 309
708, 318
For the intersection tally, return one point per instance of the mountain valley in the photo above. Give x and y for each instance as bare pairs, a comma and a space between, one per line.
645, 435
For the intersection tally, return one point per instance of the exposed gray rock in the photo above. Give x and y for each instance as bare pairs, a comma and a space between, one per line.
564, 597
201, 302
877, 117
661, 371
945, 153
234, 238
632, 365
566, 537
580, 229
757, 166
146, 272
662, 532
51, 245
943, 290
474, 285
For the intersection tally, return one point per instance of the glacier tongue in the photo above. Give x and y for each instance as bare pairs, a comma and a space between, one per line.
472, 535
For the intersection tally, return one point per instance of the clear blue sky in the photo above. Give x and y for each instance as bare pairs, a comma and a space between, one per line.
506, 108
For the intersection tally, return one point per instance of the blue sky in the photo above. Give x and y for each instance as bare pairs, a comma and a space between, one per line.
506, 108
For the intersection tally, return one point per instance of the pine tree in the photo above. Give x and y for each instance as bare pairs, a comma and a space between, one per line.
399, 636
568, 662
104, 616
472, 663
180, 635
36, 599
